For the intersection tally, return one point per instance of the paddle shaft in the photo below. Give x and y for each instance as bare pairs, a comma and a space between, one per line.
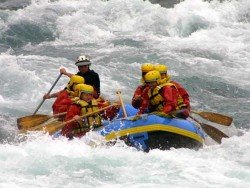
47, 93
122, 104
83, 116
59, 114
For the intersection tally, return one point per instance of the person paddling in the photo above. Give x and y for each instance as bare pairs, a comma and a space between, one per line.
183, 100
83, 63
84, 105
137, 99
160, 97
64, 97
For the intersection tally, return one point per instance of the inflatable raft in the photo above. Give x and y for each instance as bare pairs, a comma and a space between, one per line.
153, 132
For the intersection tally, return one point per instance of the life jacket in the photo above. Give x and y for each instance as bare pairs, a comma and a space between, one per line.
93, 120
157, 101
70, 92
75, 99
164, 80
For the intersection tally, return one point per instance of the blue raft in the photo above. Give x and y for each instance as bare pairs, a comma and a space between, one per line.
153, 132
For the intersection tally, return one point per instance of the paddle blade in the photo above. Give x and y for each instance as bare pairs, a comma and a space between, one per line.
213, 132
53, 127
28, 122
216, 118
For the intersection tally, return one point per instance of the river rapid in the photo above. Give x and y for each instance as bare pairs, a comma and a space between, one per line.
206, 46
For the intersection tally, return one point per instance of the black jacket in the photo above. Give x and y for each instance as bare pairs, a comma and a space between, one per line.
91, 78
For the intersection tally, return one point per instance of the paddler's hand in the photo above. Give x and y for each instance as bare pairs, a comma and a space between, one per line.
63, 71
46, 96
137, 98
77, 118
117, 104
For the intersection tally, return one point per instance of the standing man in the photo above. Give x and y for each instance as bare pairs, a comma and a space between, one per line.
91, 77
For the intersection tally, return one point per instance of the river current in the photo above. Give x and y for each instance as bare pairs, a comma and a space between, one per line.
206, 46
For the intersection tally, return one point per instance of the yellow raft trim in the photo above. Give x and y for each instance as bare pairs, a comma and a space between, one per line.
154, 127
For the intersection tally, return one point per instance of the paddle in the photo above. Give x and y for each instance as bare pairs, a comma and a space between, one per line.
215, 117
55, 126
47, 93
211, 131
39, 127
42, 125
27, 122
122, 104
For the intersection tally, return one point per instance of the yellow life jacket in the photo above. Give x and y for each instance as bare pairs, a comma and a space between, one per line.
157, 101
70, 91
75, 99
93, 120
164, 80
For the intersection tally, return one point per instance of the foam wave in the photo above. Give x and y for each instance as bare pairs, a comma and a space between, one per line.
206, 47
57, 160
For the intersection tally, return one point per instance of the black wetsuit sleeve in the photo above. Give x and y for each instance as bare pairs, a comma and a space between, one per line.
97, 83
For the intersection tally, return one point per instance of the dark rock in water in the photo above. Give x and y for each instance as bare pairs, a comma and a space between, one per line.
13, 4
166, 3
170, 3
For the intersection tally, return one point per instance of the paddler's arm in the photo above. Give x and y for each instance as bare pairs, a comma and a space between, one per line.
137, 99
72, 112
53, 95
63, 71
145, 101
111, 112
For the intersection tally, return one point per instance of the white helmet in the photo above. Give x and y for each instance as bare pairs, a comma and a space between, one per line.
83, 60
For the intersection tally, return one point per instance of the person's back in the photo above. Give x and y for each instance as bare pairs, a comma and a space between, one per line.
61, 103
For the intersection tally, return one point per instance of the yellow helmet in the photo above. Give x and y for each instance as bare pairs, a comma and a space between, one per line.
152, 76
84, 88
161, 68
77, 88
146, 67
75, 79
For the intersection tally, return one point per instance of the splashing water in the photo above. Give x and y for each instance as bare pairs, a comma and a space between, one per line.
206, 47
